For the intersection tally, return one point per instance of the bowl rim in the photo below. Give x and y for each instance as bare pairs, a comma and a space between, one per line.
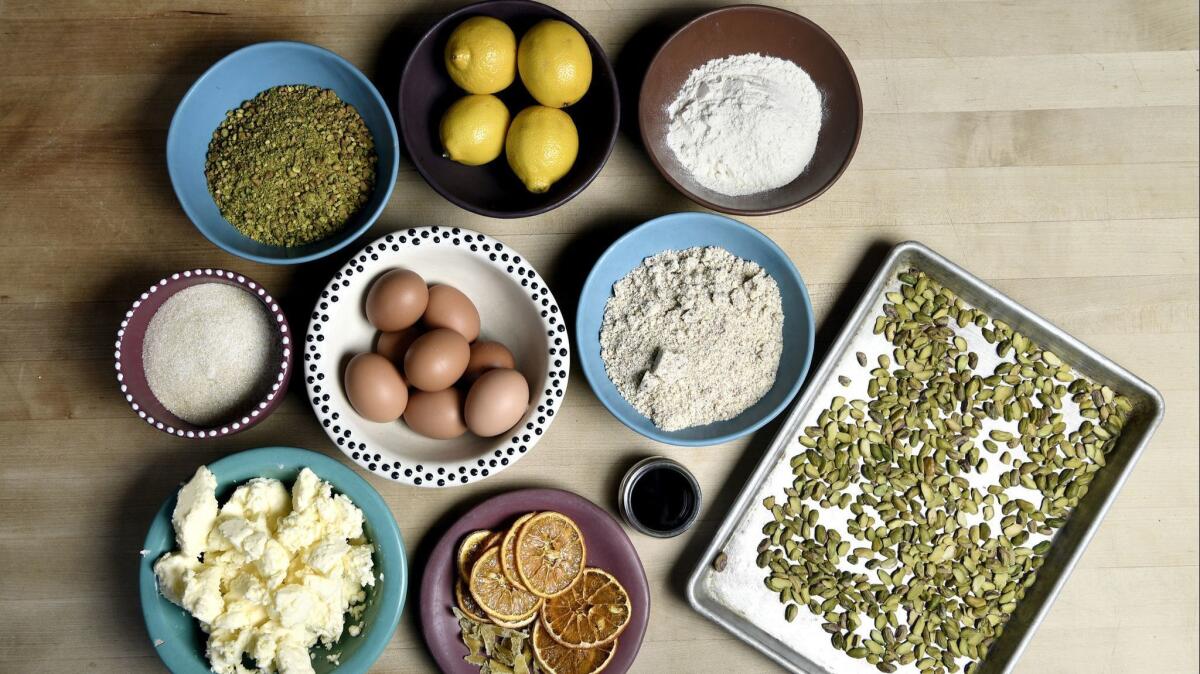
593, 367
658, 163
385, 529
614, 131
547, 396
264, 407
320, 52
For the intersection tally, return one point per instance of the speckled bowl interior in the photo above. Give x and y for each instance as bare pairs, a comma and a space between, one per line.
132, 377
516, 308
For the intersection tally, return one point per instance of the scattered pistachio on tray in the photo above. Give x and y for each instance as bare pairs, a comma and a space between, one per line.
932, 566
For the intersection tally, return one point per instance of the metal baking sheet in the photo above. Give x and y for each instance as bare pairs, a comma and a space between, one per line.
802, 646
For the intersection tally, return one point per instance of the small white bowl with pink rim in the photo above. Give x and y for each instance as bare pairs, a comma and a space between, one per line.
516, 308
131, 375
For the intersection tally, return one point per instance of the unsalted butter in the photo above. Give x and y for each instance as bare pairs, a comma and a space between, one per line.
269, 574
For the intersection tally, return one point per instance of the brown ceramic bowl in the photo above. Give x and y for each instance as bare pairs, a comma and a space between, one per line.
748, 29
132, 377
426, 91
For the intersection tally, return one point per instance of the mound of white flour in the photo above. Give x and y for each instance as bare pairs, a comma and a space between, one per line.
745, 124
693, 337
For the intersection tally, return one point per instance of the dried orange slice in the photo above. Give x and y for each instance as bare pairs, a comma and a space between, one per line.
469, 550
555, 658
592, 613
467, 604
518, 624
508, 550
502, 600
550, 554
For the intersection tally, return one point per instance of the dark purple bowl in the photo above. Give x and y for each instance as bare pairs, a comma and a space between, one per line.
132, 378
607, 548
426, 91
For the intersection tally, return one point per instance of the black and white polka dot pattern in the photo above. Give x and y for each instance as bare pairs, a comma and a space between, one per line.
323, 376
278, 387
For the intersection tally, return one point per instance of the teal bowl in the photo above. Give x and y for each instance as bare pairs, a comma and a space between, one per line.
177, 637
241, 76
677, 232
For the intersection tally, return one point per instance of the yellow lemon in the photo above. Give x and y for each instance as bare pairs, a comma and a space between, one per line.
472, 130
541, 147
481, 55
555, 63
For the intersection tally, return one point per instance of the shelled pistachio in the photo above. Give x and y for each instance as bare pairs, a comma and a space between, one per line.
945, 562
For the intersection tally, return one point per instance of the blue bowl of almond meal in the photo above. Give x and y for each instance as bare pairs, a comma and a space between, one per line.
282, 153
694, 329
367, 626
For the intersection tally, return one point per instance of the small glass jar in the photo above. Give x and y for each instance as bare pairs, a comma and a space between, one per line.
659, 497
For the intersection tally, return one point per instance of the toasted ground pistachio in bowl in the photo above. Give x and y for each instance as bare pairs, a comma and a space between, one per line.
273, 149
291, 166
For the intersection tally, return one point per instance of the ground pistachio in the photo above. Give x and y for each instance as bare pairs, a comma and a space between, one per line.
291, 166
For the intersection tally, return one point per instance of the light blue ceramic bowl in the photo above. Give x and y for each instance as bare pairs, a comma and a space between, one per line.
177, 637
241, 76
676, 232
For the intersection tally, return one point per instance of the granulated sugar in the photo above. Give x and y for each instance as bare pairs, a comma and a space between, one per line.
209, 353
693, 337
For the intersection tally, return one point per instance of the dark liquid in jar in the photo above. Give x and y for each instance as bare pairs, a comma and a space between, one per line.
662, 499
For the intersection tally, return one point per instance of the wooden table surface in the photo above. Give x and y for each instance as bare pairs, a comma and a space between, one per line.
1050, 146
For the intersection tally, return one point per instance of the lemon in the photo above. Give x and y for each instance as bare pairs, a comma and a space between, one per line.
472, 130
481, 55
555, 63
541, 147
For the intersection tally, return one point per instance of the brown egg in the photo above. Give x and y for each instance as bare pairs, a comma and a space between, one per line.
496, 402
449, 308
487, 356
436, 414
396, 300
393, 345
375, 388
436, 359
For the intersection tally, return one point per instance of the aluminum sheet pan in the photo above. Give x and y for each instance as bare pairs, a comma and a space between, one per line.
733, 598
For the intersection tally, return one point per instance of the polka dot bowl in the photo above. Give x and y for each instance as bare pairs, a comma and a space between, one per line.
131, 376
516, 308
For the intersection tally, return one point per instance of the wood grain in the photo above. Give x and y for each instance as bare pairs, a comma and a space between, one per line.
1050, 146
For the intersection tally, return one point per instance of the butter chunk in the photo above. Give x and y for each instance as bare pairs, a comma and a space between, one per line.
261, 499
225, 648
170, 570
202, 593
269, 574
195, 512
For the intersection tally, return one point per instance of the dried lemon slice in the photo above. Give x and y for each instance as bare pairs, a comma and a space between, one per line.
470, 549
555, 658
592, 613
508, 550
523, 622
550, 554
467, 604
501, 599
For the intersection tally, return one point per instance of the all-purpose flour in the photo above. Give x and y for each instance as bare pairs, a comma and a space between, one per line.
692, 337
745, 124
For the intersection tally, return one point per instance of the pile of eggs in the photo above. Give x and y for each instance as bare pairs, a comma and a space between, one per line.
429, 366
